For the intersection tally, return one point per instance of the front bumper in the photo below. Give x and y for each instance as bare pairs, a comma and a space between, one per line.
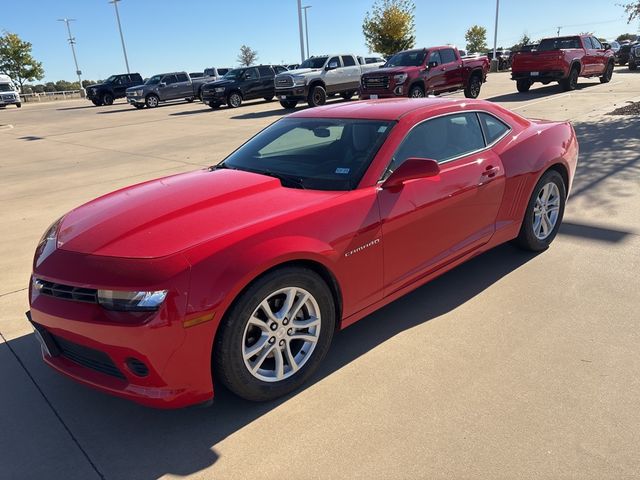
209, 96
9, 100
541, 76
158, 361
292, 93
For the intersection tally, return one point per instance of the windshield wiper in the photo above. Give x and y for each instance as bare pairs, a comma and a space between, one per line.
297, 181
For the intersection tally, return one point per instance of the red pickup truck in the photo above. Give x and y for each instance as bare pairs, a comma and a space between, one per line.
563, 59
417, 73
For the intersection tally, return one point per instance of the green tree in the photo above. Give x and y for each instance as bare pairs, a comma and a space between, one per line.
390, 26
524, 40
476, 38
247, 56
632, 9
625, 36
16, 60
86, 83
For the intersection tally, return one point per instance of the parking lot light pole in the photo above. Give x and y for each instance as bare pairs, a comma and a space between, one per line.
72, 42
124, 49
300, 29
306, 28
494, 60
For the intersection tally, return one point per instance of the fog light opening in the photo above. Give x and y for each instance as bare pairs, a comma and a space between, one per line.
137, 367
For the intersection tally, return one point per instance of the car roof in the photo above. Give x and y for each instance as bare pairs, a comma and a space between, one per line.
390, 109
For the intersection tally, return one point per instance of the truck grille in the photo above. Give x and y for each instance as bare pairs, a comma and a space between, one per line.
284, 81
375, 82
65, 292
87, 357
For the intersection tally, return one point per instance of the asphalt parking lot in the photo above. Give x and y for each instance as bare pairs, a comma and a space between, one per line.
511, 366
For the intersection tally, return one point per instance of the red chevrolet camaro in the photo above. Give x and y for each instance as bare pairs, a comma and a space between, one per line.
242, 272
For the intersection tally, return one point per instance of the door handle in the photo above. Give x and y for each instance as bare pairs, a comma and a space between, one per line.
490, 171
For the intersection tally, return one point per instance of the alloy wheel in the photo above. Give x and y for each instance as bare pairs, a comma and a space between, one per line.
546, 210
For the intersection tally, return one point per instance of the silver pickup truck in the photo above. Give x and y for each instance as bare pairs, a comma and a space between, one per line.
164, 87
318, 77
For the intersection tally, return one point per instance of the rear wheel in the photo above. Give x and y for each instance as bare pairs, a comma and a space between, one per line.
632, 65
317, 96
275, 335
288, 104
190, 99
571, 82
523, 85
107, 99
608, 73
347, 95
268, 98
152, 101
234, 100
97, 103
472, 90
544, 213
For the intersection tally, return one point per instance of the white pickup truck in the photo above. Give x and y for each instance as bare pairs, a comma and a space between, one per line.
320, 76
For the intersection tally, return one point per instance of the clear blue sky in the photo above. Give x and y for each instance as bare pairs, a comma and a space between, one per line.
167, 35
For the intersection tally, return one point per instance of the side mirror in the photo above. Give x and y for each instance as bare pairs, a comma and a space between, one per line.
162, 85
332, 66
606, 46
411, 169
432, 64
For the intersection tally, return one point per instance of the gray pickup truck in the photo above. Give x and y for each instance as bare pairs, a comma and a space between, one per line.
164, 87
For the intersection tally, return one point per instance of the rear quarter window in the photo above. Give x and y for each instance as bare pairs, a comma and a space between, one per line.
492, 127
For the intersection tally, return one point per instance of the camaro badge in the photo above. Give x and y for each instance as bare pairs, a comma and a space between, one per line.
362, 247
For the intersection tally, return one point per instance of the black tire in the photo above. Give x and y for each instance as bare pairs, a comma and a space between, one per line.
268, 99
608, 73
416, 91
190, 99
571, 82
214, 105
289, 104
633, 65
96, 102
19, 105
472, 89
526, 238
138, 106
234, 100
523, 85
107, 99
622, 62
347, 95
317, 96
228, 363
151, 101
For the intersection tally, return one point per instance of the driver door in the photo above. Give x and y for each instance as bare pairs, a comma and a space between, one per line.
251, 84
436, 79
432, 221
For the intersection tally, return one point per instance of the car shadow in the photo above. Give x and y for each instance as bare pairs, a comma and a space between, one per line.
280, 111
536, 93
92, 106
125, 440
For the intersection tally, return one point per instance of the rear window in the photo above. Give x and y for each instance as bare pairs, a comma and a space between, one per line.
182, 77
447, 55
348, 61
265, 71
560, 43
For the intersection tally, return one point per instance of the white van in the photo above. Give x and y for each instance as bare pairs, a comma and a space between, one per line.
9, 92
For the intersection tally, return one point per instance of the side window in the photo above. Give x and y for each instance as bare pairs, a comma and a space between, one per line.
441, 139
279, 69
251, 74
334, 60
435, 57
596, 43
587, 42
182, 77
493, 128
348, 61
265, 71
117, 81
169, 79
447, 55
362, 61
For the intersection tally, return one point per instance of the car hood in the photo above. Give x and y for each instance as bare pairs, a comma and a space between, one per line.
219, 83
141, 86
98, 85
389, 70
168, 215
301, 71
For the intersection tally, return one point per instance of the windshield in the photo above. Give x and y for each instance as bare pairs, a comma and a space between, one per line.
111, 79
154, 80
560, 43
6, 87
313, 153
234, 74
407, 59
315, 62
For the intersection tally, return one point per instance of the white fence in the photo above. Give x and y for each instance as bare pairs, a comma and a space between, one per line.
50, 96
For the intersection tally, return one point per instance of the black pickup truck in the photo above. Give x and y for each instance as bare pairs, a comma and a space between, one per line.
241, 84
113, 87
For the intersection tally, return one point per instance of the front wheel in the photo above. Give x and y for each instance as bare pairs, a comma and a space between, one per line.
416, 92
214, 105
544, 213
608, 73
523, 85
138, 106
152, 101
288, 104
19, 105
317, 96
234, 100
472, 90
107, 99
275, 335
190, 99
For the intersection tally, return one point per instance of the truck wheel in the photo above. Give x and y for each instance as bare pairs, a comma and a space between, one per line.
234, 100
317, 96
268, 99
570, 83
152, 101
214, 105
96, 103
472, 90
608, 73
19, 105
190, 99
138, 106
416, 92
523, 85
632, 65
347, 95
107, 99
289, 104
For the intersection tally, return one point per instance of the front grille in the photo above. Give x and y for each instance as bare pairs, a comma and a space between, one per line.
87, 357
66, 292
284, 81
8, 97
375, 82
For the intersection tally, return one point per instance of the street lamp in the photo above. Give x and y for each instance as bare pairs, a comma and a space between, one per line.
72, 42
124, 49
306, 28
300, 29
494, 61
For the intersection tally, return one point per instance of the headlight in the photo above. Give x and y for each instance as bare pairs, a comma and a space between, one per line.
219, 89
138, 93
297, 81
131, 301
49, 242
400, 78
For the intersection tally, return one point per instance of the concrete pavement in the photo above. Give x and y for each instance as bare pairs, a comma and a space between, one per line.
511, 366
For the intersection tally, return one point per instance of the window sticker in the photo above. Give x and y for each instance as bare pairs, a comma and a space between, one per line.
343, 171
